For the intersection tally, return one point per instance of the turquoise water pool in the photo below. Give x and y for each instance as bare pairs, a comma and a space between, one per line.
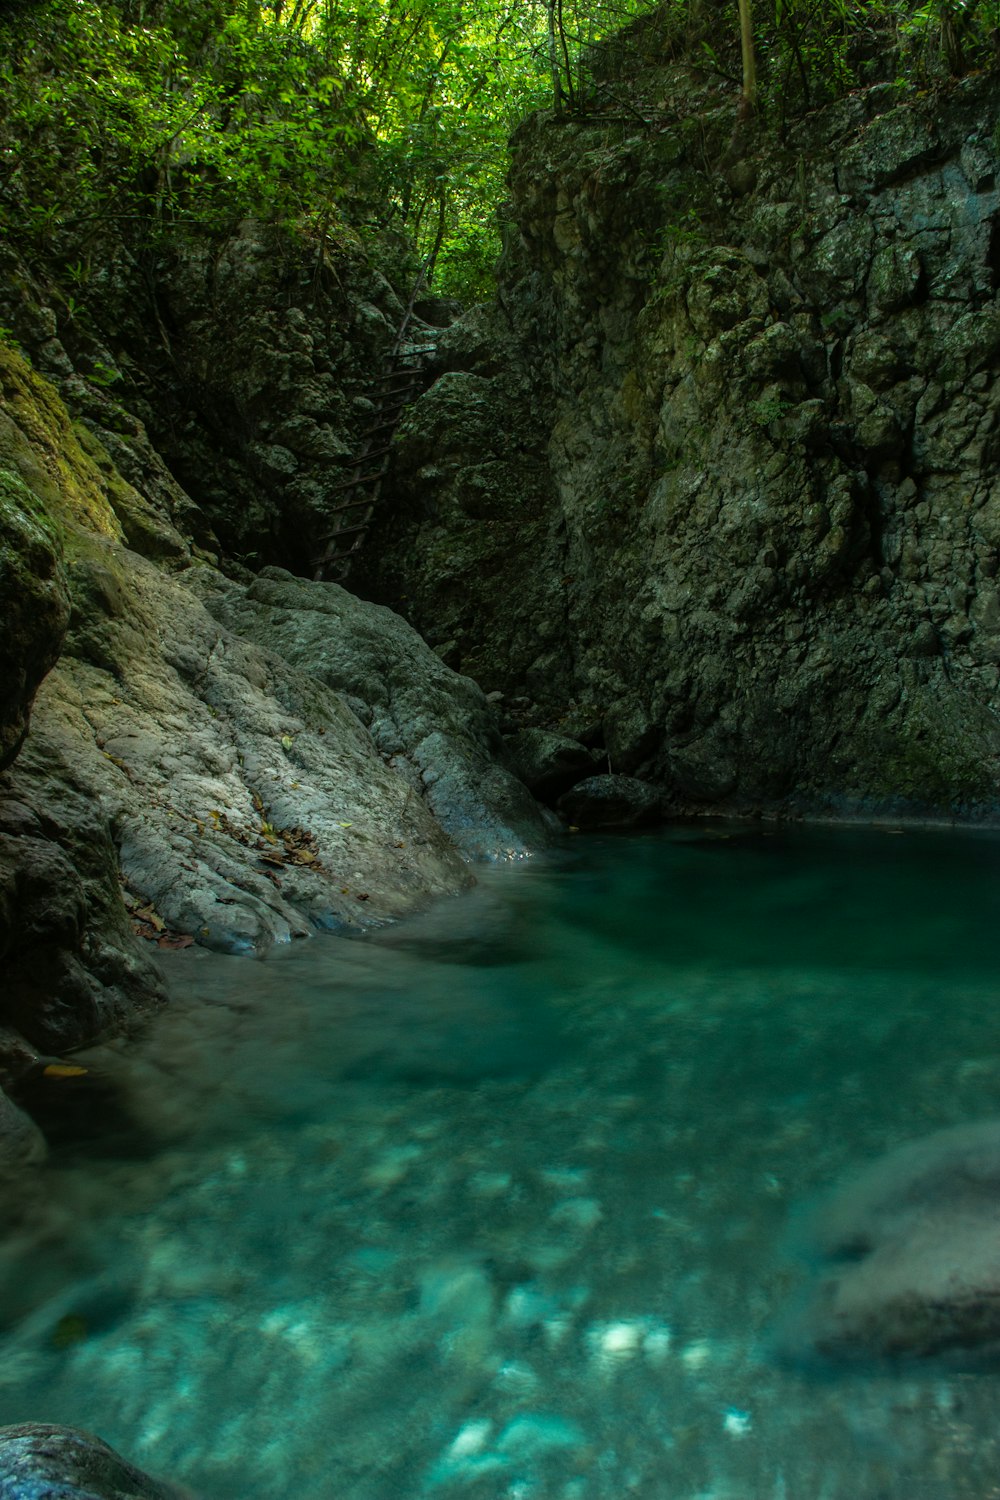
498, 1203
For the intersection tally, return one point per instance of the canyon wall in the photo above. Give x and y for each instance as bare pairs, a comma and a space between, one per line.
715, 484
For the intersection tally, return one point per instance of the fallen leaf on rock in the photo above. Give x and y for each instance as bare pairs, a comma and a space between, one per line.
62, 1070
182, 940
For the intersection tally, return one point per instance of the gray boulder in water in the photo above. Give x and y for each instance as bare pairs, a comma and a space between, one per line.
39, 1462
21, 1142
909, 1255
612, 802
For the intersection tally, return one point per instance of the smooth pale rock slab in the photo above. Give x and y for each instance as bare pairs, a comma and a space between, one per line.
432, 726
40, 1462
611, 802
909, 1255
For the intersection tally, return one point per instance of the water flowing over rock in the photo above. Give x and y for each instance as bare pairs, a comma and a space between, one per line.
720, 468
42, 1462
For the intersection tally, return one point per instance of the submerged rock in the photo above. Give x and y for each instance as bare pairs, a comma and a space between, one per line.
612, 802
21, 1142
909, 1255
41, 1462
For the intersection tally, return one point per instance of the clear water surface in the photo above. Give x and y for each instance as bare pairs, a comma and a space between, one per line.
495, 1205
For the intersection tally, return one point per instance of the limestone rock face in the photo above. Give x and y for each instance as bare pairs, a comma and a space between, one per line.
910, 1255
248, 803
35, 608
752, 523
41, 1462
73, 968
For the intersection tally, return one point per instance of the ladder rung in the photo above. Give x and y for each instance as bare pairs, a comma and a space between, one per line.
338, 559
332, 536
352, 484
338, 510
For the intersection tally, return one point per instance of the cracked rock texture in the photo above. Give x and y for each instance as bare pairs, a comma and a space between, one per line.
720, 469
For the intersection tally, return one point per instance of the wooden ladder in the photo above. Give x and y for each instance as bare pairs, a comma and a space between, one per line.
358, 493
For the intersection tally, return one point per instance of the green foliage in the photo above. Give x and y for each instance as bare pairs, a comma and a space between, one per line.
143, 117
768, 408
103, 120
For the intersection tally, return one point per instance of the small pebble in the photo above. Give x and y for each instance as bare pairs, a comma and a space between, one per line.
737, 1423
697, 1354
471, 1438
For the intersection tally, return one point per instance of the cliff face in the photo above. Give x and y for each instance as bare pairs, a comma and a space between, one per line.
720, 473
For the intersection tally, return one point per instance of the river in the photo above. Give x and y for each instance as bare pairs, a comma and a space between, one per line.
501, 1203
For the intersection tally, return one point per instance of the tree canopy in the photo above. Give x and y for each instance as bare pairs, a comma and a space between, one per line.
162, 114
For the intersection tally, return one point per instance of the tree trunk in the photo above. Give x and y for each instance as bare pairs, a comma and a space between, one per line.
748, 99
557, 88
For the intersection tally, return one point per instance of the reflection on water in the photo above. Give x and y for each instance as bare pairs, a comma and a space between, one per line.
494, 1204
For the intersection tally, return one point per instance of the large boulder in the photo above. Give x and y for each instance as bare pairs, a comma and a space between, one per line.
908, 1255
41, 1462
432, 726
180, 783
611, 802
246, 803
548, 763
